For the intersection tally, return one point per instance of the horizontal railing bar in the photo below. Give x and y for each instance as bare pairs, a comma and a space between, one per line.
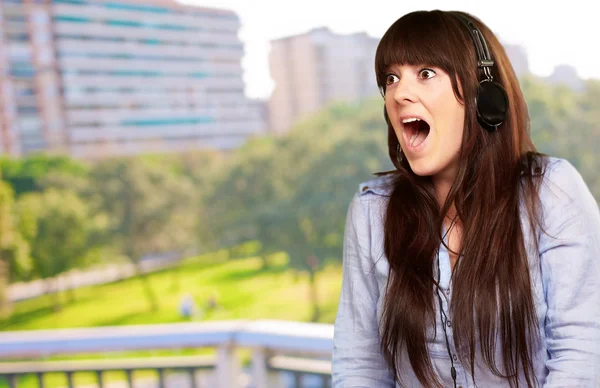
299, 365
126, 364
26, 344
298, 337
310, 338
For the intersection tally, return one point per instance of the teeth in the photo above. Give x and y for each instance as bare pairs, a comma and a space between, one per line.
410, 120
413, 137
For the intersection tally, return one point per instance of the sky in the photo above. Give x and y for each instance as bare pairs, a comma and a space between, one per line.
552, 35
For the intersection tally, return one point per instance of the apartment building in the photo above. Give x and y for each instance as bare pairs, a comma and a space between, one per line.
313, 69
99, 78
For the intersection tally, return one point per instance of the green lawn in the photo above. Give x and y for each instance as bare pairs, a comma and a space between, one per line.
241, 288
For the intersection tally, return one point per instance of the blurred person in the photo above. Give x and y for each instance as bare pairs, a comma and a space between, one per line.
187, 307
476, 262
211, 302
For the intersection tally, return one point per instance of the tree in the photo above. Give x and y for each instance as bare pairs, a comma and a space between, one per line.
291, 193
253, 183
150, 210
24, 174
318, 207
14, 257
57, 225
584, 136
566, 124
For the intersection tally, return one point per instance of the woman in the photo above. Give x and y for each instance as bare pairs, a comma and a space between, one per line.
477, 261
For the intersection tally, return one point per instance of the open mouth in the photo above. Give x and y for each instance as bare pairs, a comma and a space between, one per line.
416, 131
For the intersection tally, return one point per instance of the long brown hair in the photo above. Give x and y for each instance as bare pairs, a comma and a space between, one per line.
492, 293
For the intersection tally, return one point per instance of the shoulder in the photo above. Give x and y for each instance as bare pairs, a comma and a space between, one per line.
564, 194
562, 182
369, 204
559, 169
381, 186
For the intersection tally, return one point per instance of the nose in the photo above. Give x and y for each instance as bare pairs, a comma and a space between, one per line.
404, 92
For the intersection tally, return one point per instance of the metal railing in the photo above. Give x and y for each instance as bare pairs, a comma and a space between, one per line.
302, 350
12, 371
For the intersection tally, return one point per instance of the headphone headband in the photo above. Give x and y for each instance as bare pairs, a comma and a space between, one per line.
491, 101
484, 59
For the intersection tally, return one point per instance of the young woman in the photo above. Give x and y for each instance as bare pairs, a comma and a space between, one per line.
476, 263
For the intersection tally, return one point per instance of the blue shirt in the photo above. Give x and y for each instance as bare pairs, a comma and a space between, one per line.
565, 275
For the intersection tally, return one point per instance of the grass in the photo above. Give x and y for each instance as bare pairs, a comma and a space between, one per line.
241, 288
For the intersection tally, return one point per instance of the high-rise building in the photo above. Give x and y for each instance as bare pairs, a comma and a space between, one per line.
96, 78
313, 69
30, 110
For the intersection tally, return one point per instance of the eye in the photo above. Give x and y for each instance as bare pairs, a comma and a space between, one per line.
391, 79
427, 74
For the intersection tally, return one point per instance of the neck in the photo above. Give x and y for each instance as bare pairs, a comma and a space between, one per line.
442, 185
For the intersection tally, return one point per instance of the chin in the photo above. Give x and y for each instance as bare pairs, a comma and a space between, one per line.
422, 168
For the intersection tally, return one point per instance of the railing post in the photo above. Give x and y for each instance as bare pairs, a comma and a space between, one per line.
40, 379
297, 380
99, 378
193, 379
161, 378
228, 370
259, 368
12, 381
70, 379
129, 374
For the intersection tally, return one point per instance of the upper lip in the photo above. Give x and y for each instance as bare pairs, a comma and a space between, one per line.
412, 116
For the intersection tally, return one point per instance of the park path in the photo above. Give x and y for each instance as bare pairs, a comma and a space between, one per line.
80, 278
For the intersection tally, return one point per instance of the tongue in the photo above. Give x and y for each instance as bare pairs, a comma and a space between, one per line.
419, 138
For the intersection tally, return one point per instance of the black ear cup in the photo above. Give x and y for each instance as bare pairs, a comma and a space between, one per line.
491, 101
492, 105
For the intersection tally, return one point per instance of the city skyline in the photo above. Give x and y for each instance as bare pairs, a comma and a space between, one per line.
547, 46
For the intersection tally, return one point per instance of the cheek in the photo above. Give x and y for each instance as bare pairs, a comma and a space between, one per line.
455, 117
392, 114
459, 115
389, 107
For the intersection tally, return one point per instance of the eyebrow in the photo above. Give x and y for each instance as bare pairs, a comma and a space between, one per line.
388, 68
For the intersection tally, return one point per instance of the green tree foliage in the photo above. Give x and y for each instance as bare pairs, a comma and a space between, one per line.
14, 251
291, 193
566, 124
57, 225
583, 138
150, 209
25, 175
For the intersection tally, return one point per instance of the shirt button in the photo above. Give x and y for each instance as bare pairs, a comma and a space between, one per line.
454, 357
449, 324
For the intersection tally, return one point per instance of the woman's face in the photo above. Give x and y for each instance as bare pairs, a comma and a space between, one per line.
427, 118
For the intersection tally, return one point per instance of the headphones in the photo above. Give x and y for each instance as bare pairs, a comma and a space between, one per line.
491, 101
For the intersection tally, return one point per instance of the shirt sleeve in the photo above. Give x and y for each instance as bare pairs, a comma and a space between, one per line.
570, 264
357, 358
